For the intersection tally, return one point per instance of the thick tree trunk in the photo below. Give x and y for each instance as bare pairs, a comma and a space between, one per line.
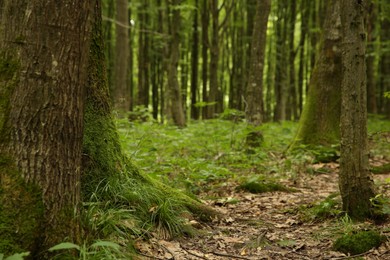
43, 51
319, 123
121, 89
356, 184
254, 94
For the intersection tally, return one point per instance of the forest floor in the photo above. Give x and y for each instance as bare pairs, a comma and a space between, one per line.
267, 226
300, 223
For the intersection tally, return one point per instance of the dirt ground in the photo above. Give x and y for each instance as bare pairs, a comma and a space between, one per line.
266, 226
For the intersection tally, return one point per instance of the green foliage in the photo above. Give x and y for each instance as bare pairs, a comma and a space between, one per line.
330, 207
18, 256
97, 250
387, 94
358, 242
381, 204
320, 153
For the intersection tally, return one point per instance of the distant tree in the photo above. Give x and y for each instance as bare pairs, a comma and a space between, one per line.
356, 184
121, 89
143, 54
254, 90
174, 93
44, 48
319, 122
195, 63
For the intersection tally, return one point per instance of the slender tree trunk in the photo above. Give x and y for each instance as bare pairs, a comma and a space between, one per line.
205, 48
195, 64
43, 73
174, 93
122, 91
281, 63
143, 56
254, 95
371, 83
292, 106
356, 184
214, 58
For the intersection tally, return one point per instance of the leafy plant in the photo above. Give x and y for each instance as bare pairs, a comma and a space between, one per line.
97, 250
17, 256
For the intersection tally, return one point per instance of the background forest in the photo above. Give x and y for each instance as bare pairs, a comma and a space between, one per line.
195, 129
209, 43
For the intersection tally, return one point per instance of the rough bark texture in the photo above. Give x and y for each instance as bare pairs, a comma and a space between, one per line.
254, 95
44, 46
175, 97
356, 184
319, 123
122, 91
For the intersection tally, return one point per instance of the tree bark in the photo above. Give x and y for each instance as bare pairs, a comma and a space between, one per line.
319, 122
355, 182
174, 93
43, 52
122, 91
254, 95
194, 64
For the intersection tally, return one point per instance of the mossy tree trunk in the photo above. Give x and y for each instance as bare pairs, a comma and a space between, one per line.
356, 184
107, 173
43, 49
319, 123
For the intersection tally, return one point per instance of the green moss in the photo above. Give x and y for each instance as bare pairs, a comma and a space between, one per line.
359, 242
261, 185
385, 168
9, 67
21, 211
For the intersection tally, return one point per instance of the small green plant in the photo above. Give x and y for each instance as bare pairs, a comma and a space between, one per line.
328, 208
97, 250
18, 256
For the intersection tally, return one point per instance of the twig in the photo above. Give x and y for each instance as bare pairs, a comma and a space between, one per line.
169, 251
150, 256
351, 256
199, 256
228, 255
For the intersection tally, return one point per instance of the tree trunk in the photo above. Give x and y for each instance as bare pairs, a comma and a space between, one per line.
371, 83
174, 93
356, 184
121, 89
43, 52
143, 56
254, 95
319, 123
214, 58
205, 48
194, 64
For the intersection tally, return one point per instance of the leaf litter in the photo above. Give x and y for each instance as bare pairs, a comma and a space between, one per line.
264, 226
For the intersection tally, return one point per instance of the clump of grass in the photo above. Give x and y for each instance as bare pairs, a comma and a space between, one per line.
358, 242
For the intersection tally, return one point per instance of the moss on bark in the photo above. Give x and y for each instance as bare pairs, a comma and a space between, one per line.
21, 210
108, 175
